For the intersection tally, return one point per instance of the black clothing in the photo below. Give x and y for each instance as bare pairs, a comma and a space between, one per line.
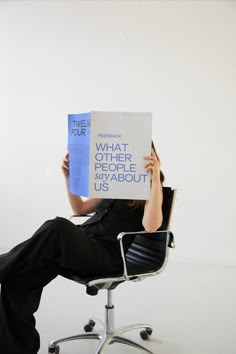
111, 218
58, 245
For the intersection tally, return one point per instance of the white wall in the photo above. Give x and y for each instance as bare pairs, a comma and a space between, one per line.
174, 58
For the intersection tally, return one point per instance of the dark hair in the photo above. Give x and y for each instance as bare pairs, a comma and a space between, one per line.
141, 203
162, 177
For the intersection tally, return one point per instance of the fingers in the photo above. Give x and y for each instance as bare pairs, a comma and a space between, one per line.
66, 158
151, 168
152, 165
153, 156
151, 161
65, 164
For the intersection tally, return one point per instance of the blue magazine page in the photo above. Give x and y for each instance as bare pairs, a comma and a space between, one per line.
79, 153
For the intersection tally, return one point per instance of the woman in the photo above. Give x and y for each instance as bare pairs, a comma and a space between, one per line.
59, 245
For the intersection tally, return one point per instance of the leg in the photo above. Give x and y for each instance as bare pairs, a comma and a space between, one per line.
24, 271
19, 299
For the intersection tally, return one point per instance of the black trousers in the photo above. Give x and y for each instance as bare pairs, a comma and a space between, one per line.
58, 245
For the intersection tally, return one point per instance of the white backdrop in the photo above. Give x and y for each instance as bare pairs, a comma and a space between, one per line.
173, 58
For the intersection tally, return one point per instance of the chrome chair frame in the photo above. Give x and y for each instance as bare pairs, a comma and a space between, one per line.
109, 334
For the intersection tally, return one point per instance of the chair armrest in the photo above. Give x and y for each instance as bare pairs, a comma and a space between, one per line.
169, 242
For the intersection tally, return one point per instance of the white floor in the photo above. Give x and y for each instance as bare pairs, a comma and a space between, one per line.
192, 309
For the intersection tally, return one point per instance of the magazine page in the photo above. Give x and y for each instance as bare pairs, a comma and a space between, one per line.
79, 153
119, 141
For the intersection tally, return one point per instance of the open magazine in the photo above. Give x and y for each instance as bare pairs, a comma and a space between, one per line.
106, 151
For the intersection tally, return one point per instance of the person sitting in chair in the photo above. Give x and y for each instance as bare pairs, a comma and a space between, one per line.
59, 245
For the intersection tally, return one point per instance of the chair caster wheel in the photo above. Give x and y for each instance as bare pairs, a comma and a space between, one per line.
89, 326
54, 350
146, 333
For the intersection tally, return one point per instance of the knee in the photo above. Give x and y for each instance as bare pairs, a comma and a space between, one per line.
53, 230
58, 223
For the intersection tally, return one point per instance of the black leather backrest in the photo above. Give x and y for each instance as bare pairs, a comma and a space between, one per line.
148, 251
168, 195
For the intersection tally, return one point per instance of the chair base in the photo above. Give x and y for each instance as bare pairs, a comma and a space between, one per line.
105, 339
109, 335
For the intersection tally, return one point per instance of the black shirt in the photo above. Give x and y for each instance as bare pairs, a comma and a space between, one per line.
112, 217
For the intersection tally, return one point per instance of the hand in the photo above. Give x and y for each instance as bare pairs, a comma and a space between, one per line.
65, 165
153, 166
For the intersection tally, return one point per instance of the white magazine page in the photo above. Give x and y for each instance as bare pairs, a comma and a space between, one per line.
119, 142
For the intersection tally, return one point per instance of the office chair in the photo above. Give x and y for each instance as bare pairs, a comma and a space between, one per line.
147, 256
